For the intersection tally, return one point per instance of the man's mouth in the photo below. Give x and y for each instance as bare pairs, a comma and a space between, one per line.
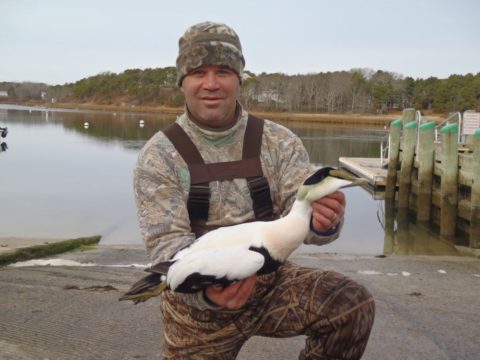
210, 100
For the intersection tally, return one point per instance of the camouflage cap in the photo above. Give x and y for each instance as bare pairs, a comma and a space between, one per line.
209, 43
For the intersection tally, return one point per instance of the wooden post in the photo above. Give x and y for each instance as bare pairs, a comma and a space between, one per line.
404, 239
449, 182
425, 151
475, 199
389, 247
408, 115
393, 152
408, 152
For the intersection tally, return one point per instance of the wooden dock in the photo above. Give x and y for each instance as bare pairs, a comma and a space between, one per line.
430, 172
435, 180
367, 168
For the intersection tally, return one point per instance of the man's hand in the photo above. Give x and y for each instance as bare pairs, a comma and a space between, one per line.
233, 296
328, 211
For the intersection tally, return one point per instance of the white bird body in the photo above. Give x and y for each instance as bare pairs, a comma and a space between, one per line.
236, 252
227, 251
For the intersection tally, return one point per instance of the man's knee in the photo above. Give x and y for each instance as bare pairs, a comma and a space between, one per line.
352, 303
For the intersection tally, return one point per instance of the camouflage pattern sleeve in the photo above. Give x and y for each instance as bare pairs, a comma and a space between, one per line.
161, 186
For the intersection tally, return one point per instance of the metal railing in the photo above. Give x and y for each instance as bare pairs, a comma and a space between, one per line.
447, 122
385, 142
384, 150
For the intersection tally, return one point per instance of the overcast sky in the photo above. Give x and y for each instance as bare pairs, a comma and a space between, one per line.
58, 41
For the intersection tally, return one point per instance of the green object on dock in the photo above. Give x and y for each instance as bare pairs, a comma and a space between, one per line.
477, 133
449, 129
396, 123
428, 126
411, 125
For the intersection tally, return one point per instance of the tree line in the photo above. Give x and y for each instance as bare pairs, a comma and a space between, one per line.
353, 91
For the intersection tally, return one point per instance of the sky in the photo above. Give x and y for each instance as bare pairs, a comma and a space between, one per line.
60, 41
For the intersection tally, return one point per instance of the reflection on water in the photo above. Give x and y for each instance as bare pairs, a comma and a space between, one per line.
3, 135
62, 179
403, 236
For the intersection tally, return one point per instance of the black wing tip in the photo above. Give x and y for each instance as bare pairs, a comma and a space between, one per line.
135, 301
144, 283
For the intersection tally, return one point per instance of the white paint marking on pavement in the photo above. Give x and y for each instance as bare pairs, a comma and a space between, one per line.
369, 272
65, 262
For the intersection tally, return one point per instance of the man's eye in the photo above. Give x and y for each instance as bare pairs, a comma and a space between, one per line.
197, 72
224, 71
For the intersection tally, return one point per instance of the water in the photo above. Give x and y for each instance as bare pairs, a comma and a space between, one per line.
60, 179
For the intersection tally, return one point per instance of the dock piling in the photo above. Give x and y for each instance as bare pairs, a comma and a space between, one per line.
408, 152
449, 183
408, 115
394, 151
475, 197
425, 154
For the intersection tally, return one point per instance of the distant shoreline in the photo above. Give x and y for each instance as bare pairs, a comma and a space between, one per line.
363, 119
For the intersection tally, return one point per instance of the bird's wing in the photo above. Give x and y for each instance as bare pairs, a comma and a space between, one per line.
240, 236
159, 268
222, 266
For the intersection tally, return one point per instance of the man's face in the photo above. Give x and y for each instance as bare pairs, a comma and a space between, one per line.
211, 94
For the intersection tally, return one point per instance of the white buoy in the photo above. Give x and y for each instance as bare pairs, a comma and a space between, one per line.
86, 125
141, 123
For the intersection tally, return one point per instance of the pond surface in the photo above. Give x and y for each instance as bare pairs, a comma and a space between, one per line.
61, 179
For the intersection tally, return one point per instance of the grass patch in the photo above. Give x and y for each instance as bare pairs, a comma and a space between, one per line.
40, 251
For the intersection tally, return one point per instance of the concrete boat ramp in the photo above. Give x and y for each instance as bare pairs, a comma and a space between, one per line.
427, 308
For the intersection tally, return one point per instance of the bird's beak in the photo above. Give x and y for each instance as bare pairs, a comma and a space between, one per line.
342, 174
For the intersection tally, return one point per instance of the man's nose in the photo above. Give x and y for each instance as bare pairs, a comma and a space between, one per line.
211, 81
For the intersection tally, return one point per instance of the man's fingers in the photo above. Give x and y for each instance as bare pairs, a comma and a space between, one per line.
244, 291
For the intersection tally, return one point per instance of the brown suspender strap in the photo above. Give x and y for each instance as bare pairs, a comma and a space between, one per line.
199, 196
183, 144
201, 174
257, 184
252, 142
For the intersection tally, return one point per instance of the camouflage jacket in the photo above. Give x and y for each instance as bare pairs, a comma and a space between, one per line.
162, 183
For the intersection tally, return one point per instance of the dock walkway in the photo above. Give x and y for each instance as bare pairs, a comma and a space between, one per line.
367, 168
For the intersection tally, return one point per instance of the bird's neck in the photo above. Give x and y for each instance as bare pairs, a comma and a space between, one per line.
288, 233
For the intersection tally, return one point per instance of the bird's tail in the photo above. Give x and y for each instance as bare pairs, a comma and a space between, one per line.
149, 286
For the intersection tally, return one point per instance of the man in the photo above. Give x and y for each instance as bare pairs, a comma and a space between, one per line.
176, 204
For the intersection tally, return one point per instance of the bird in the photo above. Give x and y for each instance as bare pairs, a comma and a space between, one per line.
233, 253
